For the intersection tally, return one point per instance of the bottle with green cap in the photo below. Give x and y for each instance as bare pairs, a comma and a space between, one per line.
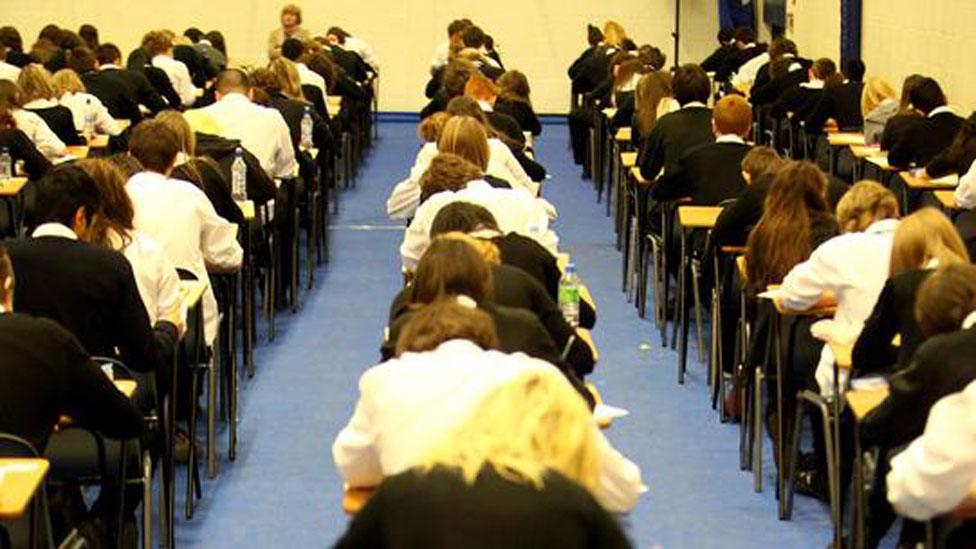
569, 295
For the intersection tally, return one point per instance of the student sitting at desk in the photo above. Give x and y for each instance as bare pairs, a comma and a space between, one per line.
521, 470
33, 126
465, 106
941, 366
20, 147
726, 47
878, 104
925, 136
841, 102
959, 156
627, 75
72, 94
513, 100
37, 96
800, 101
445, 357
653, 98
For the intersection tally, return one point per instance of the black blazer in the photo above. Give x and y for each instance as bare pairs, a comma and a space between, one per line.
769, 92
293, 111
897, 128
522, 113
21, 147
842, 102
893, 314
735, 61
161, 83
718, 58
61, 122
942, 365
673, 135
260, 187
625, 110
956, 160
314, 96
506, 125
351, 63
122, 91
196, 64
798, 100
208, 175
921, 142
591, 70
709, 174
89, 290
46, 374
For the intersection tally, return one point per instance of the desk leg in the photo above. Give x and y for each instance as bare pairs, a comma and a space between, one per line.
213, 365
682, 317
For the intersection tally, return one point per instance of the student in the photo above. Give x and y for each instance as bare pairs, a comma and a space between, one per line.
112, 228
20, 147
852, 266
89, 33
784, 72
676, 133
293, 50
514, 101
466, 137
878, 104
215, 58
178, 215
905, 117
841, 101
484, 92
32, 125
965, 193
710, 173
923, 241
122, 91
726, 47
800, 101
928, 135
261, 130
37, 96
443, 53
465, 106
456, 75
959, 156
515, 210
627, 76
758, 74
291, 27
71, 93
280, 82
159, 50
759, 167
747, 48
653, 98
522, 470
354, 44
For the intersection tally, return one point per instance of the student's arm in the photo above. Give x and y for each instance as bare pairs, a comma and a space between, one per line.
620, 483
218, 238
675, 184
872, 352
731, 227
184, 85
965, 193
515, 173
46, 140
148, 96
943, 164
104, 123
901, 416
819, 113
416, 237
404, 199
355, 448
136, 343
23, 148
807, 282
579, 354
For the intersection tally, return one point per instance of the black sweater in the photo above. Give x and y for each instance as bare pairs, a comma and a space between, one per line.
522, 113
438, 510
893, 314
21, 147
673, 135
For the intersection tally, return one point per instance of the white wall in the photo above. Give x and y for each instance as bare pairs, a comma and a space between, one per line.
539, 37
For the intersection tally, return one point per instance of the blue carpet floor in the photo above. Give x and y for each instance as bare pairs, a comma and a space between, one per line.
283, 490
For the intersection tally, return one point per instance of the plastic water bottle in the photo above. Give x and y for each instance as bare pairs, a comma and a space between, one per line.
306, 142
569, 295
89, 125
6, 165
238, 175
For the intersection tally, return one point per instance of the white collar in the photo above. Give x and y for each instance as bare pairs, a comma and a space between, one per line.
940, 110
147, 176
477, 184
205, 42
794, 67
730, 138
105, 66
813, 85
235, 97
41, 104
883, 226
691, 104
969, 321
485, 106
54, 229
749, 45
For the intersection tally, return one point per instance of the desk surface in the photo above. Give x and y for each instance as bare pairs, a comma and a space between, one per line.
354, 499
862, 401
247, 208
866, 151
636, 174
609, 113
78, 151
698, 217
99, 141
947, 199
881, 160
842, 353
624, 134
21, 478
191, 291
843, 139
12, 186
584, 334
628, 159
924, 182
126, 386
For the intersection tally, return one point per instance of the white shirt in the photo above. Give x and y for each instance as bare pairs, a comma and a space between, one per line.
441, 55
515, 211
408, 403
179, 76
965, 193
730, 138
405, 196
308, 77
854, 266
8, 71
261, 130
934, 474
940, 110
156, 278
54, 229
81, 104
746, 76
37, 130
364, 50
178, 215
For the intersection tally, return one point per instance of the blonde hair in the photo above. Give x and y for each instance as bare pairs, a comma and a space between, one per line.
531, 425
66, 81
865, 202
876, 90
287, 74
614, 33
175, 121
487, 249
465, 137
923, 236
34, 83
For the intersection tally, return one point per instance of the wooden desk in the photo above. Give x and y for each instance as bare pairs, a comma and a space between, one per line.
947, 199
628, 159
862, 401
698, 217
333, 104
126, 386
123, 123
623, 135
78, 151
865, 151
247, 208
845, 139
12, 187
925, 183
21, 479
609, 113
354, 499
584, 334
98, 141
191, 291
881, 161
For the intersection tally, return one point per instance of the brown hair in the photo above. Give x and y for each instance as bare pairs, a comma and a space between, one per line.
34, 83
781, 239
946, 298
7, 280
466, 137
292, 9
320, 63
449, 268
9, 95
116, 212
156, 42
651, 90
486, 248
154, 145
514, 87
761, 160
262, 78
826, 70
429, 129
447, 172
175, 121
865, 202
923, 236
456, 76
288, 79
733, 115
444, 320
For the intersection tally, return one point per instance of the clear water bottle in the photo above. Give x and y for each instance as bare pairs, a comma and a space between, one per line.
238, 176
569, 295
6, 165
306, 142
88, 129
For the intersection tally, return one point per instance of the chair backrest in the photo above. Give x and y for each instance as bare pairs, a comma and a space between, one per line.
13, 446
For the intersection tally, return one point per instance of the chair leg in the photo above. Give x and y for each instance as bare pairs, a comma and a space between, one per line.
147, 525
699, 324
744, 382
191, 469
757, 431
212, 366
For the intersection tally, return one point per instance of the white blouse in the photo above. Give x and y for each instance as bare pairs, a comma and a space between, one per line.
85, 104
156, 278
965, 193
37, 130
179, 76
405, 197
406, 404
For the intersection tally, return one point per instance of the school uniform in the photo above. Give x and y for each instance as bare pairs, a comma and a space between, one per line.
673, 135
179, 77
59, 119
925, 139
